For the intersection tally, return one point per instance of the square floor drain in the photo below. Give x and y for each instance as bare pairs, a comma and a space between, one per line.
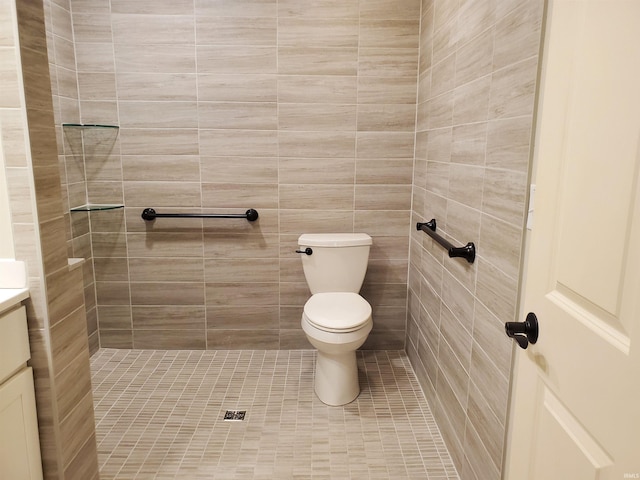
234, 415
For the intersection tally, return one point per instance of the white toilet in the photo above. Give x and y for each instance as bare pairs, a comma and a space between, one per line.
336, 319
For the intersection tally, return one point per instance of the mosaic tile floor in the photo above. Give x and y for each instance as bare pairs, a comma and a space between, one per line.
159, 415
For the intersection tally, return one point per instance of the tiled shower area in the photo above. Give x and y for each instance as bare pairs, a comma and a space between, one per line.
324, 116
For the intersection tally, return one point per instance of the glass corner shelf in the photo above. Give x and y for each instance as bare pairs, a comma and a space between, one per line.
88, 125
93, 207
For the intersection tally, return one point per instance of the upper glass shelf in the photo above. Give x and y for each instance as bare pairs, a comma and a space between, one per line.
88, 125
92, 207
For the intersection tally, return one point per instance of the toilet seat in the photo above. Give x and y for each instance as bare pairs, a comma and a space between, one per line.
339, 312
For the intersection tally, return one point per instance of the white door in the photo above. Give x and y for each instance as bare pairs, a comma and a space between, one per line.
575, 411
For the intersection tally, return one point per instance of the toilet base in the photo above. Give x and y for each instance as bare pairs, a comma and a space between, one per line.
336, 378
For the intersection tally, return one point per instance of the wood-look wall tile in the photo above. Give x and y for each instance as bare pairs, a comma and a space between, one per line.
236, 115
152, 29
323, 221
111, 269
85, 462
242, 339
388, 62
380, 90
68, 339
316, 197
140, 114
168, 340
317, 61
164, 244
259, 8
183, 168
168, 141
72, 384
383, 197
316, 144
157, 87
316, 117
162, 194
227, 195
513, 90
318, 32
156, 7
316, 170
317, 8
386, 118
140, 58
241, 270
238, 294
113, 293
242, 318
167, 293
116, 339
384, 171
236, 30
225, 245
385, 144
237, 88
114, 317
238, 143
168, 317
181, 269
77, 428
236, 59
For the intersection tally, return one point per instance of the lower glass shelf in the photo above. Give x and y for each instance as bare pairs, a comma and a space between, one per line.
93, 207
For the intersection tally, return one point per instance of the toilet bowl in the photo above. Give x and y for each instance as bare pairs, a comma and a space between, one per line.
336, 319
337, 324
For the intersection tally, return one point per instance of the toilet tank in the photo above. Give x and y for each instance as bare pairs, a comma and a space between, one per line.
338, 262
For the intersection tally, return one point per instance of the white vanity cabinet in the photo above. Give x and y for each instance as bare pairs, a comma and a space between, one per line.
19, 443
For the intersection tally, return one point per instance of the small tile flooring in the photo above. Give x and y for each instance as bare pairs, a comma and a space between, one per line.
159, 415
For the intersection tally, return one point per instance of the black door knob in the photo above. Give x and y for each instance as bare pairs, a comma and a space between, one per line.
523, 332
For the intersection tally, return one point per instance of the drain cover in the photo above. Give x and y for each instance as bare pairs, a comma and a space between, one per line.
234, 415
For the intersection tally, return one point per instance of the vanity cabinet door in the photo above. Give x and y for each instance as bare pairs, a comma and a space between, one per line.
19, 443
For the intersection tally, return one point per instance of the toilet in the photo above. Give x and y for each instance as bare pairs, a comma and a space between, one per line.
336, 319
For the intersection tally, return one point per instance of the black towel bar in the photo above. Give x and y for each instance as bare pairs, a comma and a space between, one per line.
150, 214
467, 252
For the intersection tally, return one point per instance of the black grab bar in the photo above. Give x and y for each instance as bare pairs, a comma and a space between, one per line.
150, 214
467, 252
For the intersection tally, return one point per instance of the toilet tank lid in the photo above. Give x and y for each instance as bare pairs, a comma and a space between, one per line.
334, 239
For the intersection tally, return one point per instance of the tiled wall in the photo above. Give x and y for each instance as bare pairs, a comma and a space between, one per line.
478, 66
303, 110
55, 310
71, 151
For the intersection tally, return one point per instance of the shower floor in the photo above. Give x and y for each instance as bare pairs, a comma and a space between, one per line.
159, 415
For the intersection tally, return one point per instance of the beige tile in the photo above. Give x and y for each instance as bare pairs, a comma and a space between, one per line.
111, 269
471, 101
97, 112
318, 32
496, 291
493, 387
114, 317
164, 244
294, 293
116, 339
438, 178
387, 270
387, 62
142, 58
161, 7
239, 169
168, 317
167, 141
316, 144
152, 29
474, 18
385, 144
241, 270
469, 144
316, 117
236, 339
462, 223
237, 294
10, 97
92, 27
378, 90
316, 197
158, 86
236, 30
259, 8
382, 9
68, 339
158, 114
443, 76
518, 34
242, 318
96, 86
501, 244
65, 54
320, 8
64, 295
230, 245
167, 270
185, 168
12, 134
238, 143
236, 59
104, 192
383, 197
72, 384
508, 143
453, 371
317, 61
161, 194
167, 293
440, 111
384, 171
19, 191
504, 195
389, 33
307, 89
323, 221
113, 293
77, 429
237, 88
242, 196
316, 170
513, 90
386, 118
464, 184
167, 339
236, 115
85, 462
474, 59
487, 333
99, 57
459, 304
382, 222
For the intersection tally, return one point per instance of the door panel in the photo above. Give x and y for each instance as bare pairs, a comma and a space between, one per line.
575, 398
